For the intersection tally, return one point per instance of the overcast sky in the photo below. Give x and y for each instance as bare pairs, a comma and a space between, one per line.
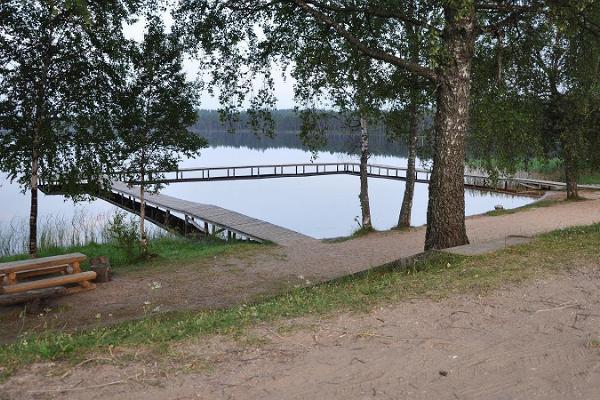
283, 86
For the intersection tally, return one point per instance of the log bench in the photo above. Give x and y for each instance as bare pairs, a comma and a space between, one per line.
28, 280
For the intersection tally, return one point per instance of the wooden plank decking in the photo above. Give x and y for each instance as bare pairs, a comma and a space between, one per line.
226, 220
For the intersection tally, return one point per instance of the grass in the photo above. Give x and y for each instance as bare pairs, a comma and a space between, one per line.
359, 232
167, 250
593, 344
590, 178
536, 204
436, 277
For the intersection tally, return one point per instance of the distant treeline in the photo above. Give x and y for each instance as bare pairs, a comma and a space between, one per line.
336, 142
340, 134
285, 121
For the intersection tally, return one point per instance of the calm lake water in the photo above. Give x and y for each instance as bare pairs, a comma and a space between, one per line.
321, 207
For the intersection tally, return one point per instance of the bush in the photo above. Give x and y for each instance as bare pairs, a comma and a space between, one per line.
124, 233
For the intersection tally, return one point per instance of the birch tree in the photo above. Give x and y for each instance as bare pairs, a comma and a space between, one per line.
548, 83
246, 36
58, 70
156, 108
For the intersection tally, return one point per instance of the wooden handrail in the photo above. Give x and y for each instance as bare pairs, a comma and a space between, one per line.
269, 166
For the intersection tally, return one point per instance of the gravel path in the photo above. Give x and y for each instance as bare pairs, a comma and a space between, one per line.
538, 341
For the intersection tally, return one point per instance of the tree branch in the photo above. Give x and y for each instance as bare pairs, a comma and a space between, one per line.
363, 48
373, 11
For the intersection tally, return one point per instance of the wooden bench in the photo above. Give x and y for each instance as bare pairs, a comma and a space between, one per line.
27, 279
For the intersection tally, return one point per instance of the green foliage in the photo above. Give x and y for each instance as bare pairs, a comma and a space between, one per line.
156, 107
123, 232
536, 90
501, 136
590, 178
168, 250
59, 65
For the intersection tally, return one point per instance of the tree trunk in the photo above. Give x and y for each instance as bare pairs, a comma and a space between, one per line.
409, 189
33, 212
364, 178
446, 208
407, 201
571, 173
143, 239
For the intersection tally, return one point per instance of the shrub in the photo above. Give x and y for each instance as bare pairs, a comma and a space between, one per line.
124, 233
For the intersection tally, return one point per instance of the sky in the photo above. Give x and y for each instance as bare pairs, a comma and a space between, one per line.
283, 84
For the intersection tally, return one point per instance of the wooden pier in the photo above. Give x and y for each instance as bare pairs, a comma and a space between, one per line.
195, 219
342, 168
189, 217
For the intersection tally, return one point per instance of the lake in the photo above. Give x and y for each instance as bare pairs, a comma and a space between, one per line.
321, 207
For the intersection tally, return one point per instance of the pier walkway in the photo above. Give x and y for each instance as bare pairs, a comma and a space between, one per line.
191, 218
245, 172
205, 218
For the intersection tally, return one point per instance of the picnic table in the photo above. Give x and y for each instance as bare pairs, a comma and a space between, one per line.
27, 280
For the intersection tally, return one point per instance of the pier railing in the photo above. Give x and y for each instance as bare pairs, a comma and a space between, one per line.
471, 180
273, 171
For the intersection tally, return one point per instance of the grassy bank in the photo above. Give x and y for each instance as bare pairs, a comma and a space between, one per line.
164, 250
590, 178
436, 278
536, 204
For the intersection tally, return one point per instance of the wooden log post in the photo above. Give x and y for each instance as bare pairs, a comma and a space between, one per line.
101, 266
76, 270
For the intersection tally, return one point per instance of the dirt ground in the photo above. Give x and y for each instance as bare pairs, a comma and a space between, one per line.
536, 341
240, 278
